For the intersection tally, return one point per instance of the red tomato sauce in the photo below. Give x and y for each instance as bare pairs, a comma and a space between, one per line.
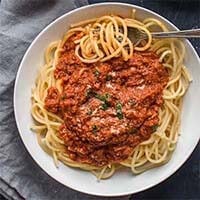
108, 108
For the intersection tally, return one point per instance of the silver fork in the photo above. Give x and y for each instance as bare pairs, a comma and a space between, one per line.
136, 35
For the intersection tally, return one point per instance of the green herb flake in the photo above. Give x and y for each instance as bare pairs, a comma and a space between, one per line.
107, 96
103, 98
95, 129
154, 128
104, 106
119, 110
96, 73
120, 115
108, 77
100, 97
90, 93
118, 106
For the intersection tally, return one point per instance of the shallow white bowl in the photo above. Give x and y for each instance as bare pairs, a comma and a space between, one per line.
123, 182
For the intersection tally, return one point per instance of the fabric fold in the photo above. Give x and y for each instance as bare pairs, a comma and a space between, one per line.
20, 176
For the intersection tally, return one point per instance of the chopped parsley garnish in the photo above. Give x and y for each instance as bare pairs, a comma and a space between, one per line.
104, 106
100, 97
107, 95
95, 128
154, 128
108, 77
96, 73
90, 93
104, 98
119, 110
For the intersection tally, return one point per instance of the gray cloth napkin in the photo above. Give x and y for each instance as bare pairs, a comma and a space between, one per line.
20, 22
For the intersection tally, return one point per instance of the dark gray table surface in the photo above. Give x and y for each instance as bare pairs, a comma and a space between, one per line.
185, 183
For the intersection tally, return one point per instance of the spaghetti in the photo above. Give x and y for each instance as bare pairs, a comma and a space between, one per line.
100, 40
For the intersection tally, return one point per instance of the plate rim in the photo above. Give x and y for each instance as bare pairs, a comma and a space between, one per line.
168, 175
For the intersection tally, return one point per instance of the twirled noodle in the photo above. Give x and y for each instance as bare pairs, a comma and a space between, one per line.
104, 38
107, 37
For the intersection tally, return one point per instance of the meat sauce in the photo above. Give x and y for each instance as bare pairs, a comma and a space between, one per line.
108, 108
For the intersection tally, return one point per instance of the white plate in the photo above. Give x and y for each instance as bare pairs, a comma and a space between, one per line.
123, 182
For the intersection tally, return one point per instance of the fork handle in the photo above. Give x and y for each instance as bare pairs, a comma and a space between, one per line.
193, 33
